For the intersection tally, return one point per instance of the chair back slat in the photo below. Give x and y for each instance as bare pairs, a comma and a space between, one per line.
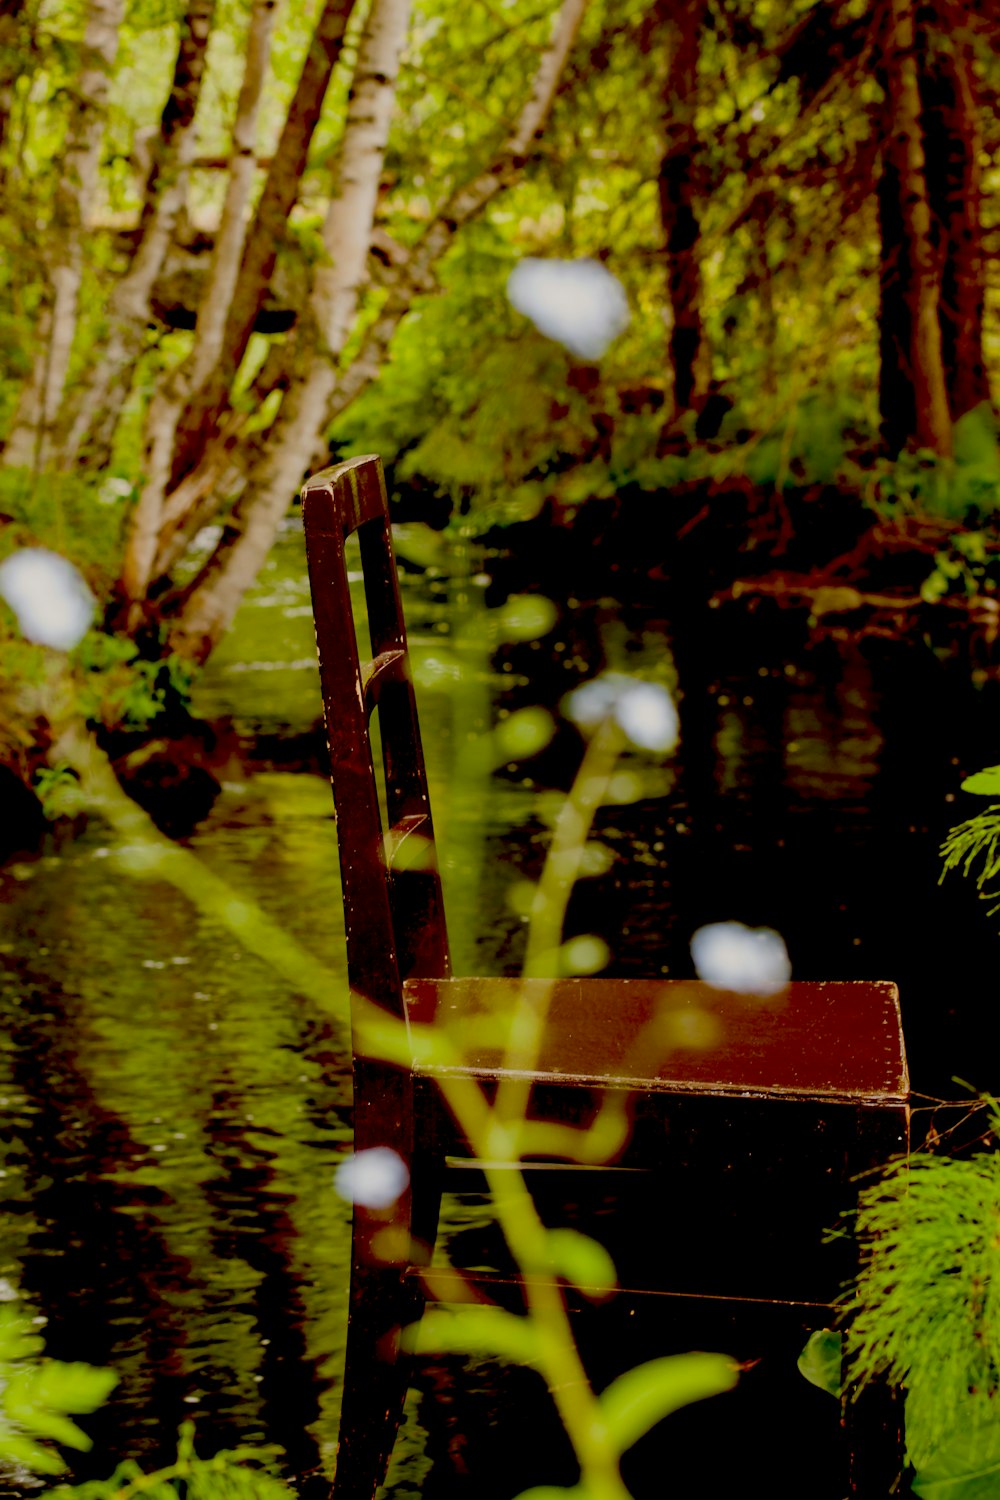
394, 912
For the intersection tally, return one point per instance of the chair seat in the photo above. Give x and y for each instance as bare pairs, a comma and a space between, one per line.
841, 1040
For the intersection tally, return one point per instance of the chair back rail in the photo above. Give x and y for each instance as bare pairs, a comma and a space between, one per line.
393, 908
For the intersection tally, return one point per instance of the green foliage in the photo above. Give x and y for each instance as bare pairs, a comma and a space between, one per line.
234, 1474
117, 687
965, 1465
963, 486
926, 1307
977, 840
39, 1397
821, 1361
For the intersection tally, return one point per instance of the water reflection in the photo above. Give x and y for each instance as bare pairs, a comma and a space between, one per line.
172, 1113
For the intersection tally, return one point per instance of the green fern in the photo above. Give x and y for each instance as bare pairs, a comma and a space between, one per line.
977, 839
236, 1474
925, 1310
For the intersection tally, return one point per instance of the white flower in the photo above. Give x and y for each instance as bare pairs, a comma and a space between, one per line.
644, 711
751, 960
647, 714
52, 603
576, 302
374, 1178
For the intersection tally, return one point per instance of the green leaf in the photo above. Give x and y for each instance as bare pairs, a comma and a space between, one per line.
554, 1492
639, 1399
524, 733
983, 783
821, 1360
73, 1387
474, 1330
526, 616
18, 1339
586, 954
965, 1463
582, 1261
15, 1449
974, 440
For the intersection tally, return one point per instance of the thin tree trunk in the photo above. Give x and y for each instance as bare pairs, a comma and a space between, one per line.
31, 435
414, 275
208, 401
166, 407
203, 617
954, 147
897, 398
12, 32
920, 345
92, 418
678, 192
212, 600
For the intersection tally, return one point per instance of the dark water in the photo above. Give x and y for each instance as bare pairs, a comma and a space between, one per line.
171, 1112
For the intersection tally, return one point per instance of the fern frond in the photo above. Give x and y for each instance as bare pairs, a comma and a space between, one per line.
976, 839
925, 1309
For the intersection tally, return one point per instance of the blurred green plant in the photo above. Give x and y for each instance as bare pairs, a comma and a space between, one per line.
39, 1398
615, 713
233, 1474
963, 487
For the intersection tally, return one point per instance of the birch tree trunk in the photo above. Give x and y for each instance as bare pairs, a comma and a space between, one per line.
167, 405
919, 343
205, 610
31, 435
211, 602
413, 273
209, 397
91, 418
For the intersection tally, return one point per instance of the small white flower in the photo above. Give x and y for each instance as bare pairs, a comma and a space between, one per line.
374, 1178
52, 603
644, 711
647, 714
576, 302
750, 960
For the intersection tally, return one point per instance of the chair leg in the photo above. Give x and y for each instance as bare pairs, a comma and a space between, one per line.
382, 1302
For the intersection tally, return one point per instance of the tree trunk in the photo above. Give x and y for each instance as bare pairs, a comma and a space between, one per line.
165, 410
93, 416
13, 57
678, 194
31, 436
914, 341
200, 419
954, 148
211, 602
205, 610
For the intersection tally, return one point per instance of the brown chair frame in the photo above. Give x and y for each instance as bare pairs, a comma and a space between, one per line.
830, 1052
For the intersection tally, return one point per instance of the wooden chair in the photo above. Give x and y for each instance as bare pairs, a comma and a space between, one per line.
789, 1101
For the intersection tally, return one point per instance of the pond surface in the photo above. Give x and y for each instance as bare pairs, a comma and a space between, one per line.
171, 1112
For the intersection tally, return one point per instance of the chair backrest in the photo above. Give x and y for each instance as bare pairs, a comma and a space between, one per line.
393, 908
